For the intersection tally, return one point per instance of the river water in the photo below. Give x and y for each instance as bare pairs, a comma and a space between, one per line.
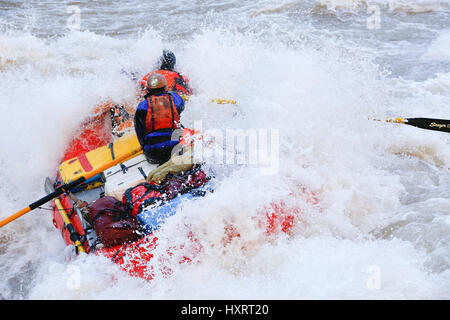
313, 72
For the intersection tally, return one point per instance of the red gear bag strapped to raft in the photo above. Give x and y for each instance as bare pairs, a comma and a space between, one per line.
112, 222
140, 196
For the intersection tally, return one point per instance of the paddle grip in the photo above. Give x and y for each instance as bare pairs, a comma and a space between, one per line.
58, 191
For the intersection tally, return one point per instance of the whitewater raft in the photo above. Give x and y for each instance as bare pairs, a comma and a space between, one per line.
90, 150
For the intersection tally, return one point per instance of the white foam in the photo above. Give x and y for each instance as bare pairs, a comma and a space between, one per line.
318, 99
439, 49
408, 6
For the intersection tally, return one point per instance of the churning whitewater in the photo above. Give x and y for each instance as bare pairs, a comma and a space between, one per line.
309, 75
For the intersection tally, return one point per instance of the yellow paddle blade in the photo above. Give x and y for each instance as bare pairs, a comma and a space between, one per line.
214, 100
223, 101
393, 120
184, 97
94, 160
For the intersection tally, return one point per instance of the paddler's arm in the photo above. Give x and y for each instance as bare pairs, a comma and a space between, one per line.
178, 101
139, 121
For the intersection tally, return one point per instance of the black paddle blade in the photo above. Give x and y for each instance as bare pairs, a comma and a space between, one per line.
430, 124
49, 188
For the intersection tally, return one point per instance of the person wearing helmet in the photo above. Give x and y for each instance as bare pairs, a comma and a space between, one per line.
175, 81
156, 117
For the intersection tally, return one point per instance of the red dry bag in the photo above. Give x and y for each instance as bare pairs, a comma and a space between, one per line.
112, 222
140, 196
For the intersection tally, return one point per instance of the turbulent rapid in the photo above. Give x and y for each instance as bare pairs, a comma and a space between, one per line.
313, 74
